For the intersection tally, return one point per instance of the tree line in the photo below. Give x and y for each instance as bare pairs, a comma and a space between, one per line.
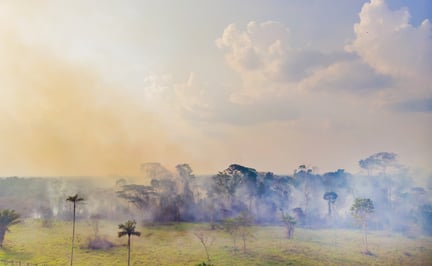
313, 199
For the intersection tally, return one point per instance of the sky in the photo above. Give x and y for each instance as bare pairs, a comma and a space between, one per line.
99, 87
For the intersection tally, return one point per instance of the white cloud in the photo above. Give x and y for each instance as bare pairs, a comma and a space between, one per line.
352, 77
387, 61
269, 68
257, 55
389, 43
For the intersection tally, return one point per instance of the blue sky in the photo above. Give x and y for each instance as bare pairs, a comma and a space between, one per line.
98, 87
419, 9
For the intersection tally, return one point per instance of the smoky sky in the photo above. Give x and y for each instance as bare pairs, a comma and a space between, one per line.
60, 119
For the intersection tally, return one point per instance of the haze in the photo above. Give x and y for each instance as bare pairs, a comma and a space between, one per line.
99, 87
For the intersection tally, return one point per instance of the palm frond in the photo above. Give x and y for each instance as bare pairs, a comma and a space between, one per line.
74, 198
128, 228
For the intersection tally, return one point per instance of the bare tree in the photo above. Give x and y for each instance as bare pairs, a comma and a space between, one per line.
206, 241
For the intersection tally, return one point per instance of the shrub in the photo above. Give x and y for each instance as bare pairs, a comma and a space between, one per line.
99, 243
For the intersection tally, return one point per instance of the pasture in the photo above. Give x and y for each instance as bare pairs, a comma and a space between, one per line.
176, 244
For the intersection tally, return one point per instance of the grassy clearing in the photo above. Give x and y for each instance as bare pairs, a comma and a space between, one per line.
176, 245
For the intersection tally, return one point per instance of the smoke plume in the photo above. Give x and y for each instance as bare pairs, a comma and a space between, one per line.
57, 118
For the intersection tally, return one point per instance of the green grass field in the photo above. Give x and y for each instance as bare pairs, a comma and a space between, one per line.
176, 244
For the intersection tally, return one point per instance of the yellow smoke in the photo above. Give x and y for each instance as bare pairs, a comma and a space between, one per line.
57, 118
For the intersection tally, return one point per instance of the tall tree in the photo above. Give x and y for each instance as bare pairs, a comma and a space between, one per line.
330, 197
248, 179
378, 161
383, 166
361, 211
74, 199
186, 198
304, 176
7, 218
225, 184
142, 197
128, 229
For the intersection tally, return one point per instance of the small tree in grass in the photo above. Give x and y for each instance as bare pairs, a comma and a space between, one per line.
205, 240
239, 227
289, 223
230, 226
361, 210
7, 218
128, 229
245, 221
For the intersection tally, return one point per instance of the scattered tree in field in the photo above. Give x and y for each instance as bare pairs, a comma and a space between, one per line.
361, 211
245, 221
74, 199
230, 226
239, 227
289, 223
128, 229
7, 219
330, 197
205, 240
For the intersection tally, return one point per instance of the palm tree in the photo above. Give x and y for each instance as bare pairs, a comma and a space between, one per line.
128, 229
74, 199
7, 218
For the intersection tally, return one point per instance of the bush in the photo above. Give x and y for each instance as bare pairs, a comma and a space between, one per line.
99, 243
205, 264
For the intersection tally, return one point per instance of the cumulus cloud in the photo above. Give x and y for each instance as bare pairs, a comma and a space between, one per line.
269, 67
256, 54
387, 55
390, 44
353, 77
258, 48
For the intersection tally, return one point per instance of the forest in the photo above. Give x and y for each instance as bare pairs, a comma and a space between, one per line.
161, 196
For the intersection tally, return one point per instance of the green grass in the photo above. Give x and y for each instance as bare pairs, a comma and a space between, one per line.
176, 245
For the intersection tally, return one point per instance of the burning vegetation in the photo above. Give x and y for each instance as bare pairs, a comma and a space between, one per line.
385, 198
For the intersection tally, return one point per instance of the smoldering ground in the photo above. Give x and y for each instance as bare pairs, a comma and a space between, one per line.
59, 118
